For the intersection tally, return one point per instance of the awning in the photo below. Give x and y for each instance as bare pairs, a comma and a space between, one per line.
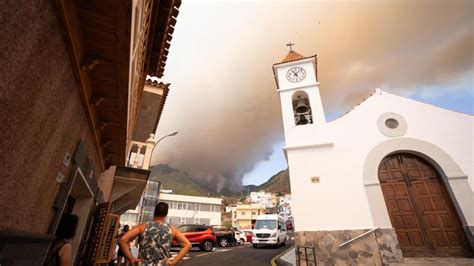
127, 189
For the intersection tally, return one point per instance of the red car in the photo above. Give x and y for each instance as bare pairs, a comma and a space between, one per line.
201, 236
289, 225
248, 235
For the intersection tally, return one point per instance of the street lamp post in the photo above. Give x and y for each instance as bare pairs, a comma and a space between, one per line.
174, 133
149, 152
146, 164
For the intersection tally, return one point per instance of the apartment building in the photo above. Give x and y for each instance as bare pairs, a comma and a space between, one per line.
245, 215
192, 209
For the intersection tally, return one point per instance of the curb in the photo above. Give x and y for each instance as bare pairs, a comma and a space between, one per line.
277, 261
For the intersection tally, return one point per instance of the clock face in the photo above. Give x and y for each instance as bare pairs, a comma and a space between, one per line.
295, 74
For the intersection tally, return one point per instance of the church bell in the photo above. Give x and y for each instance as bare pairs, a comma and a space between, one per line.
302, 112
302, 120
301, 106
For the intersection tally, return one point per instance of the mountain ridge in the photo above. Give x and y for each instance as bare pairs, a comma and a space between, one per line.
181, 183
279, 182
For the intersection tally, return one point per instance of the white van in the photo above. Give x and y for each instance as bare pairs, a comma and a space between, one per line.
270, 229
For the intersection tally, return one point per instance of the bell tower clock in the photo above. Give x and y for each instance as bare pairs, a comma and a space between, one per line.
297, 84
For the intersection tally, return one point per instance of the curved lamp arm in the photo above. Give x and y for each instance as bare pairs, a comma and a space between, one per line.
174, 133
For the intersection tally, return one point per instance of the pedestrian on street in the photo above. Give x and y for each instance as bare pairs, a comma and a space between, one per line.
120, 253
60, 252
155, 241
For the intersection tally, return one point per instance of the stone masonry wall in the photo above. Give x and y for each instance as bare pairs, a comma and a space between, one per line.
378, 248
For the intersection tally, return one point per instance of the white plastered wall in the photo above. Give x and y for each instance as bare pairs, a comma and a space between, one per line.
338, 152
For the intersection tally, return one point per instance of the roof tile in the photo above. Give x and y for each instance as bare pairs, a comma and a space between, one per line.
292, 56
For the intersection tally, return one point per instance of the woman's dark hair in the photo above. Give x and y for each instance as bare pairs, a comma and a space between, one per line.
67, 226
124, 230
161, 209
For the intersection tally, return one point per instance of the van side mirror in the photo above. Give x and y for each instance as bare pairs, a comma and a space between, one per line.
279, 227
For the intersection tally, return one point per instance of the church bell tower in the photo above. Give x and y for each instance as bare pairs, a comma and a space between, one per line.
301, 106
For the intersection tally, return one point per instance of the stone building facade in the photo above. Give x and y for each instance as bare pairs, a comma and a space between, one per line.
69, 76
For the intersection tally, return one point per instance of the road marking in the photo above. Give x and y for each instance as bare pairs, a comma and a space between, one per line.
200, 255
278, 255
174, 254
217, 250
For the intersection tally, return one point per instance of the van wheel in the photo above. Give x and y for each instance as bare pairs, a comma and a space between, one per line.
284, 242
241, 241
278, 243
207, 245
254, 246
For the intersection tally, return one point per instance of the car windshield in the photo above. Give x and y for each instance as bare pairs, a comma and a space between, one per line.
267, 224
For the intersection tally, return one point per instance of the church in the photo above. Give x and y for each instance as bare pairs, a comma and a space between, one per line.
391, 179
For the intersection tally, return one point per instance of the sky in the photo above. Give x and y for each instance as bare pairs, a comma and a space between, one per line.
223, 98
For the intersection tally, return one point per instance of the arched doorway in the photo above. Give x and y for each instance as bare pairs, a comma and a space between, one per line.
420, 208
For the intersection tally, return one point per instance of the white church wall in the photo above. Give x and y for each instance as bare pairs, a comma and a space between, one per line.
341, 199
337, 202
451, 131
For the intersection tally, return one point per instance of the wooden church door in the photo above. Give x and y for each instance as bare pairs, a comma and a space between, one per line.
420, 208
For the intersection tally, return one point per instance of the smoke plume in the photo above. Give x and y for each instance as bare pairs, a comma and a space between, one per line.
223, 98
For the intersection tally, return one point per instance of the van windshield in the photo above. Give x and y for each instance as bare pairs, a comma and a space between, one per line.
267, 224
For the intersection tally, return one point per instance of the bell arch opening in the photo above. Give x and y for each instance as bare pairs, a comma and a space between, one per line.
301, 108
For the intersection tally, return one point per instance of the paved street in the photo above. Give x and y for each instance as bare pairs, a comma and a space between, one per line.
238, 255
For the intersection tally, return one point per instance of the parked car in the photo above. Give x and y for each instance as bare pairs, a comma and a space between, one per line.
201, 236
240, 237
270, 229
225, 235
289, 225
248, 235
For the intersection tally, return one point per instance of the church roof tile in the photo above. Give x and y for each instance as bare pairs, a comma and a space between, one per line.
293, 56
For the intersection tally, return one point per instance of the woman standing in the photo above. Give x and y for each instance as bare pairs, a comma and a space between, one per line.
120, 253
60, 252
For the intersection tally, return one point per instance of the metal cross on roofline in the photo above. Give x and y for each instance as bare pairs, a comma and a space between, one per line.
289, 45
